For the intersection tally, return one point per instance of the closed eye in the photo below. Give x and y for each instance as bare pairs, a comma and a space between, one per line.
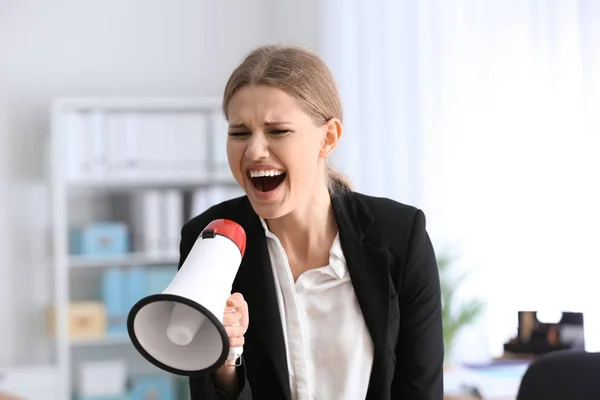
276, 132
239, 134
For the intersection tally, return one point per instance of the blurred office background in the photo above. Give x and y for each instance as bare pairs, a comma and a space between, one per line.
485, 114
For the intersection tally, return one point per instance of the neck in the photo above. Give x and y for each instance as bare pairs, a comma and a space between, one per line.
302, 232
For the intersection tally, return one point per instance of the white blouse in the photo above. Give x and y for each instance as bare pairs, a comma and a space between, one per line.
329, 349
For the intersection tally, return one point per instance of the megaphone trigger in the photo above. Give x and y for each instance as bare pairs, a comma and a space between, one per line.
235, 356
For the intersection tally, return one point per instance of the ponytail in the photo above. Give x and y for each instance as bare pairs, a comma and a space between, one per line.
337, 182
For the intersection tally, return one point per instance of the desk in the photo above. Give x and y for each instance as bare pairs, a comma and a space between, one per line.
495, 381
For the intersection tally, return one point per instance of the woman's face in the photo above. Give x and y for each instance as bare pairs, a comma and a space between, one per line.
276, 152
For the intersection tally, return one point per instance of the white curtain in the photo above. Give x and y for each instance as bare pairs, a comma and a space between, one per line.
486, 114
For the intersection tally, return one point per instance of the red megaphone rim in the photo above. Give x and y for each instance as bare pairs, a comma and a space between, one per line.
231, 230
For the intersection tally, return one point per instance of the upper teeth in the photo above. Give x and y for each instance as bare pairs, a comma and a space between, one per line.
265, 172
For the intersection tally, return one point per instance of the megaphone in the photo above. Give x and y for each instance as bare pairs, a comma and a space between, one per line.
181, 330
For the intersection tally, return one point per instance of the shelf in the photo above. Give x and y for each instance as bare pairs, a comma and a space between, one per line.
124, 260
102, 341
137, 103
140, 183
28, 368
103, 189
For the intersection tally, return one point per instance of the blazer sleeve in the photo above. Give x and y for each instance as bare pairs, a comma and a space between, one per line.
203, 388
420, 348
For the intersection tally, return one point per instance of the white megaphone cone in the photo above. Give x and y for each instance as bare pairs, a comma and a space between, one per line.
181, 330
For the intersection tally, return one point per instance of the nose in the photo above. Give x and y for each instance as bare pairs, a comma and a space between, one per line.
258, 147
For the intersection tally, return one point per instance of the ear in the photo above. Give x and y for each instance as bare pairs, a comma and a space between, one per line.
332, 133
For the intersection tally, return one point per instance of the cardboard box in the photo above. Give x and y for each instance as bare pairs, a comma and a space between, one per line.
86, 320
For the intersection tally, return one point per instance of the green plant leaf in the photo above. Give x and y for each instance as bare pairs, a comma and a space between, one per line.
455, 316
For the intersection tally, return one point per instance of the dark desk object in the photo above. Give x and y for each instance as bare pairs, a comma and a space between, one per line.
562, 375
536, 337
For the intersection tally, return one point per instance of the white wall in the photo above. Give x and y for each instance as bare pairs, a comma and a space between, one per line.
106, 48
5, 335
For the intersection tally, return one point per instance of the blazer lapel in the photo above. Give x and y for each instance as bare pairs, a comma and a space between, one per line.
256, 282
368, 267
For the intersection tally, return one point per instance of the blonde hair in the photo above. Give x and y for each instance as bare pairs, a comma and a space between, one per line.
301, 74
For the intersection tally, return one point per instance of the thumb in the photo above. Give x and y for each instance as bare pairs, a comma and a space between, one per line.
234, 300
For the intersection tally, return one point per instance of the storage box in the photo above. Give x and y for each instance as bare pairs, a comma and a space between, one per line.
113, 292
86, 320
105, 379
100, 239
135, 288
122, 287
158, 278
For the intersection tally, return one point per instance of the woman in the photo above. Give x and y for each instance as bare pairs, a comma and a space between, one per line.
338, 295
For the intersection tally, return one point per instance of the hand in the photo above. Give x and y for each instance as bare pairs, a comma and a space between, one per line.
235, 319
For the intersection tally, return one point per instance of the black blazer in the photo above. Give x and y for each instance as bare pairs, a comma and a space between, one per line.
393, 269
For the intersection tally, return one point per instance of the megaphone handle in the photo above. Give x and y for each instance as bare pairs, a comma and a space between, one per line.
235, 354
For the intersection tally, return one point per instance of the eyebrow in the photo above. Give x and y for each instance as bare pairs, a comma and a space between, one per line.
269, 123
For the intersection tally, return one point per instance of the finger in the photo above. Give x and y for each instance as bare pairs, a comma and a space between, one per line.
230, 303
237, 302
234, 300
243, 310
231, 318
236, 342
241, 306
235, 331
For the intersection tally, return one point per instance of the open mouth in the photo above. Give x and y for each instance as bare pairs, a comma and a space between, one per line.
266, 181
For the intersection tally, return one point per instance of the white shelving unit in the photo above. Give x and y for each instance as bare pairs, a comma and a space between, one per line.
84, 194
